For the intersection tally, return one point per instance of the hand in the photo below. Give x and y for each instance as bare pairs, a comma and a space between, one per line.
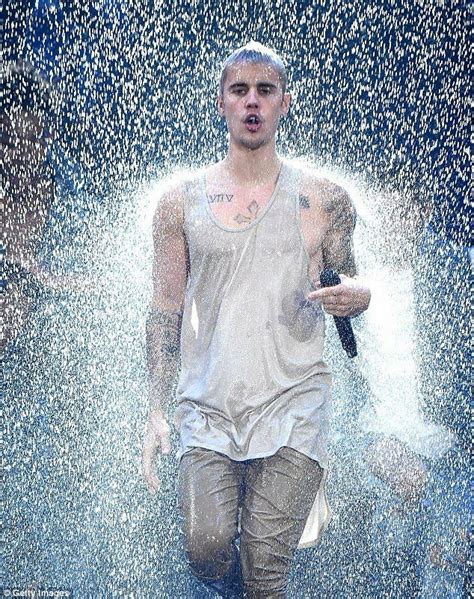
350, 298
398, 466
156, 436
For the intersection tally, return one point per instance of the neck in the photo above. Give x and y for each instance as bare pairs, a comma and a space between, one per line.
254, 167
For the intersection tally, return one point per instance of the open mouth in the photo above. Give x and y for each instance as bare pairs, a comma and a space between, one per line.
253, 122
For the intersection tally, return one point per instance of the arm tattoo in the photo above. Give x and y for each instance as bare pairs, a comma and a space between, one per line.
304, 201
163, 329
338, 250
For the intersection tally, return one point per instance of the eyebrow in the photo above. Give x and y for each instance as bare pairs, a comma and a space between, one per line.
259, 84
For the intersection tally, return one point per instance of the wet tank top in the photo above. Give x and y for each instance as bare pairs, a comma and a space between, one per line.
252, 377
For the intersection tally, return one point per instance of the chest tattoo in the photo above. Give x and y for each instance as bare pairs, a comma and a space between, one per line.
252, 209
219, 197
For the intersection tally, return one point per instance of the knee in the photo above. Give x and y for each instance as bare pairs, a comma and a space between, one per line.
209, 555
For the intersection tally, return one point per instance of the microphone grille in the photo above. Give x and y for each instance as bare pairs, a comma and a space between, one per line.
329, 278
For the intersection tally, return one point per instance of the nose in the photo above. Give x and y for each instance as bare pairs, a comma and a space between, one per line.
251, 98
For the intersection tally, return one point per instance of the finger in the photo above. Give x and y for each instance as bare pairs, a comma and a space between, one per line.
319, 294
163, 439
331, 304
334, 299
335, 308
150, 475
329, 308
325, 292
338, 312
153, 483
165, 444
150, 446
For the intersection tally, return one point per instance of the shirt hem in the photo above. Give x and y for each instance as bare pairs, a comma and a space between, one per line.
324, 463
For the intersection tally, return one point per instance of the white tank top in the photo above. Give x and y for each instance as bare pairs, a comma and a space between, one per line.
252, 377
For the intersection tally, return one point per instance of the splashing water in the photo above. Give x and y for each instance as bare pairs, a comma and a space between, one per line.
378, 105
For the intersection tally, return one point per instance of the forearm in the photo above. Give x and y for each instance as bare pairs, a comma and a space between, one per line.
353, 296
163, 328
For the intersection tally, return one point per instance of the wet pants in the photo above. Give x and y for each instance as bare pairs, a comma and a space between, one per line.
274, 496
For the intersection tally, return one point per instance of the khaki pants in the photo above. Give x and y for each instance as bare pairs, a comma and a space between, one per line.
275, 495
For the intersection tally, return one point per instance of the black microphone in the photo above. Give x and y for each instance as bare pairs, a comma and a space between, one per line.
330, 278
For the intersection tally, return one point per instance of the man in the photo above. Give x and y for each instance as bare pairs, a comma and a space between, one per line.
236, 251
29, 191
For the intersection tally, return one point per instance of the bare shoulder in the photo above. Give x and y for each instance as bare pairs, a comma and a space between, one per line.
325, 199
323, 192
169, 201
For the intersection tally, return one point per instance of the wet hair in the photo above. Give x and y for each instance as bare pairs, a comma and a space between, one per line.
254, 53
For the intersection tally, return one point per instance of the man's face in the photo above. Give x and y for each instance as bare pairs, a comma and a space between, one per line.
22, 146
252, 104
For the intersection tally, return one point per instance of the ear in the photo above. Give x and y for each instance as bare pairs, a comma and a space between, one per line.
285, 104
220, 105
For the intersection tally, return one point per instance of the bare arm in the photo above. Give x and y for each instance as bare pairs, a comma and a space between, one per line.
162, 344
338, 247
163, 326
351, 297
